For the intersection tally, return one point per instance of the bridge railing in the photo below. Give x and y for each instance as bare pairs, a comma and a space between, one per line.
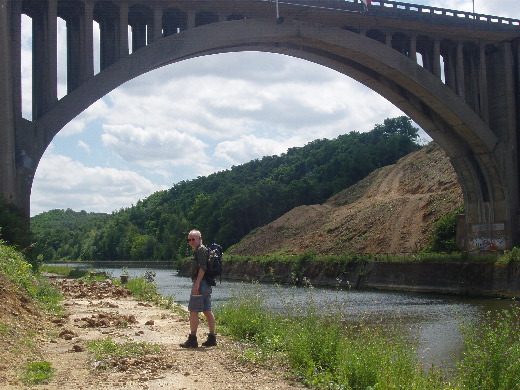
442, 11
396, 9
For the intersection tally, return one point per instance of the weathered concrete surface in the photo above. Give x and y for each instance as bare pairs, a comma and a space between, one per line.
461, 278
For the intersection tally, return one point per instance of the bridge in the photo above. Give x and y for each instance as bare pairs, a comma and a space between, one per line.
456, 74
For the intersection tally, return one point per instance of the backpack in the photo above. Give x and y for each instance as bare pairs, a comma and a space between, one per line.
214, 262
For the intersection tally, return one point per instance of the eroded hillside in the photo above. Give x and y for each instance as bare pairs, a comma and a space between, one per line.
391, 211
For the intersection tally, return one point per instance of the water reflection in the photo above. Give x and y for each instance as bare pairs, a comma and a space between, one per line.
432, 320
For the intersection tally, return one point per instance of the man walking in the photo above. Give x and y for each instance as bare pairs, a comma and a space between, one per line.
200, 297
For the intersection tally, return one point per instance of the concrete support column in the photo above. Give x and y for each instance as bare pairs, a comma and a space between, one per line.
191, 19
437, 59
510, 114
74, 57
388, 38
80, 65
460, 88
449, 71
123, 30
16, 57
88, 41
483, 84
45, 61
157, 25
109, 47
8, 27
138, 35
413, 48
510, 103
471, 81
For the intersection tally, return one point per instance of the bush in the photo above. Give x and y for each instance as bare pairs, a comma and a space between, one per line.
512, 255
444, 236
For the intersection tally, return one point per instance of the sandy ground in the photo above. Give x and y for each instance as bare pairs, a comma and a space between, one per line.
100, 309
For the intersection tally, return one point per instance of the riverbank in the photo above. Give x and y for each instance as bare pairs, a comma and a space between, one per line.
106, 312
482, 279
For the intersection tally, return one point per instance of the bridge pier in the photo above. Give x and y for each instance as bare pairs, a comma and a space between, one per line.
19, 140
9, 101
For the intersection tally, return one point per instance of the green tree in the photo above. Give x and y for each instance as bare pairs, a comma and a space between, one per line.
226, 205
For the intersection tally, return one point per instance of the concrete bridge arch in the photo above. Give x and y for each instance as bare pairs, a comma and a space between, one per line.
454, 112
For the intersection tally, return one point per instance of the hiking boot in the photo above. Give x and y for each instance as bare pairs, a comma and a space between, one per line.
211, 341
190, 343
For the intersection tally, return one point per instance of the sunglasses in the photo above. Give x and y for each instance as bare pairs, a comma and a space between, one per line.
191, 239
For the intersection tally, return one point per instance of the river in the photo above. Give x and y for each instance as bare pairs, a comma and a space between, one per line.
433, 319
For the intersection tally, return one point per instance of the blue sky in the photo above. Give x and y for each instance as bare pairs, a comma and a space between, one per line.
200, 116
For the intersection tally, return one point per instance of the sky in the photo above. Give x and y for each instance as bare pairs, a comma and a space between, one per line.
198, 117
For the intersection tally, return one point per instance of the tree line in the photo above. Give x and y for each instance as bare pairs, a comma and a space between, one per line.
226, 205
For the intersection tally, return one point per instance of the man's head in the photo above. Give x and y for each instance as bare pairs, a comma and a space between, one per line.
194, 239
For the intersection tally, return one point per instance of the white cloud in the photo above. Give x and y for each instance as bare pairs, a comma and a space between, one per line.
247, 148
98, 110
153, 147
64, 183
84, 146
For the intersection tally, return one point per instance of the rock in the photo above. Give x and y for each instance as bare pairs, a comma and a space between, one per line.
78, 348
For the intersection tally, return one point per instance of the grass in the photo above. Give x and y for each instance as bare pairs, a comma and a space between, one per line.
14, 266
351, 258
106, 351
37, 373
146, 290
492, 358
326, 352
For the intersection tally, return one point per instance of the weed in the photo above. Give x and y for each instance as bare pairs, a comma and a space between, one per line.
492, 357
142, 288
106, 350
37, 373
327, 352
14, 266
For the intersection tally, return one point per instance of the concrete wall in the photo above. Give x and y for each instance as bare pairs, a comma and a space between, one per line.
464, 278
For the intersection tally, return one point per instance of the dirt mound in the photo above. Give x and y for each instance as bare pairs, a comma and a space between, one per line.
19, 319
393, 210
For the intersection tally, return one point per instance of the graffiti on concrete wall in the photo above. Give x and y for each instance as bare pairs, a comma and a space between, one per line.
486, 243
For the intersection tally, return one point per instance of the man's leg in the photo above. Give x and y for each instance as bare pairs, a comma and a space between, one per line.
211, 320
194, 325
211, 341
194, 322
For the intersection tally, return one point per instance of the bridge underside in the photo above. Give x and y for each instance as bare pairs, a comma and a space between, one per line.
479, 137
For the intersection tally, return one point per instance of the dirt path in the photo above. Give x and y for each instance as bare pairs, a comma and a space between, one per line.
100, 309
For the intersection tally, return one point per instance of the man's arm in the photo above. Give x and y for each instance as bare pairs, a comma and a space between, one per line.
196, 284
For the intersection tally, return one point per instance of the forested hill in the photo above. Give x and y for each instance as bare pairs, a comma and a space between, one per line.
226, 205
